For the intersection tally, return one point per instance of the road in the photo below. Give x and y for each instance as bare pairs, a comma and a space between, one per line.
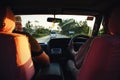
47, 38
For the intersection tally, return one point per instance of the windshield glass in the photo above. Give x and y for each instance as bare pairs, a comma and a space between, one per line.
70, 26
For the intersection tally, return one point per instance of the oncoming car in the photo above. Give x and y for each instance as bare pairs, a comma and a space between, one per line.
70, 33
53, 34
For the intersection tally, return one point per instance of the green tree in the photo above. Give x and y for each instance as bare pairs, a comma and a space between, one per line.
36, 30
101, 32
40, 32
72, 25
28, 27
85, 28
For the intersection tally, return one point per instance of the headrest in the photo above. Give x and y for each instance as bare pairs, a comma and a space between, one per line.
114, 21
8, 20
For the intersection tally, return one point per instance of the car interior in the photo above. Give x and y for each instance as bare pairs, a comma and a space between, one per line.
72, 57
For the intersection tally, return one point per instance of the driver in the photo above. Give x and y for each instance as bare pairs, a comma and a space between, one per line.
40, 58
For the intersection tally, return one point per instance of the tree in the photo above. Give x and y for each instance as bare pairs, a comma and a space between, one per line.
28, 27
72, 25
101, 32
85, 28
40, 32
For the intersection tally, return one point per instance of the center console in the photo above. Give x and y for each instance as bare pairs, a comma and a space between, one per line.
52, 72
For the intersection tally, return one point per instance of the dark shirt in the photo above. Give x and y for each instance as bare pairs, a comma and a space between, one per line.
34, 45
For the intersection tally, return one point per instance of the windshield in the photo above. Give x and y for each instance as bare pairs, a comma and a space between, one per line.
70, 26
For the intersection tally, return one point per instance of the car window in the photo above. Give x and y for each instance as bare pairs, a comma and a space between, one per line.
70, 26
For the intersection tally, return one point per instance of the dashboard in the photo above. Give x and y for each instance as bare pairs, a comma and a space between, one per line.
58, 50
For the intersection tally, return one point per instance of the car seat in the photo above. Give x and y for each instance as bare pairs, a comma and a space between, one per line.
103, 59
15, 56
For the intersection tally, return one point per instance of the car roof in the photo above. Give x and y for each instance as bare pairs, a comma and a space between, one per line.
87, 7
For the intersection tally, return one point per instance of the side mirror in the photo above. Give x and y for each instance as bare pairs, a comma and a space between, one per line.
55, 20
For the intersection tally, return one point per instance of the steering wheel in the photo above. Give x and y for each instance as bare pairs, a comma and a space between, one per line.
76, 42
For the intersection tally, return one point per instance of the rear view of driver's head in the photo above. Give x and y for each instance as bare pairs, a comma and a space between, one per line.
7, 20
114, 21
18, 23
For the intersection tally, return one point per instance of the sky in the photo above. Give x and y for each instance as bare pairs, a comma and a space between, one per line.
42, 19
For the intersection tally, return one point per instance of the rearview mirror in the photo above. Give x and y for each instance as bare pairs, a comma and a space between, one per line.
55, 20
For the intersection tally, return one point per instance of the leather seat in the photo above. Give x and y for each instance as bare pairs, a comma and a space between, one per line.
103, 59
15, 56
75, 65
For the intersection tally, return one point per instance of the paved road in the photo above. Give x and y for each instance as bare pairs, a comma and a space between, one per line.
43, 39
47, 38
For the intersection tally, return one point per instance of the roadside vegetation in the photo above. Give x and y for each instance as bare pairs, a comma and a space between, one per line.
67, 26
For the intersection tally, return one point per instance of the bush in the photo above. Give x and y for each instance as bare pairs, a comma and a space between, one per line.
38, 35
